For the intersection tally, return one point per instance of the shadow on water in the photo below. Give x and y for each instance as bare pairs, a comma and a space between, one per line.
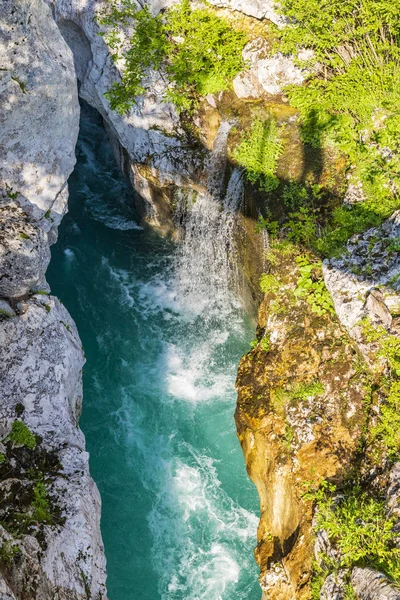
179, 512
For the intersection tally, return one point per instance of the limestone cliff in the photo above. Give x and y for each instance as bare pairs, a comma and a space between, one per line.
50, 542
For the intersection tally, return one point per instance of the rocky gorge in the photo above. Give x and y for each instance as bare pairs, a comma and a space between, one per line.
310, 390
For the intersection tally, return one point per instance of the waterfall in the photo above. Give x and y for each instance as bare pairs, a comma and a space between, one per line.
205, 265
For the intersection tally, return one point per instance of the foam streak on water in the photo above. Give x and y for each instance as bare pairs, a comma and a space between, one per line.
162, 334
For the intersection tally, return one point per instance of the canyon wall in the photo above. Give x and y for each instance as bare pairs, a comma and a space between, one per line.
302, 403
50, 541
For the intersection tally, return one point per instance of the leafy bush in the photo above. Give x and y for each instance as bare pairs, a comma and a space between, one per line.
311, 287
198, 51
41, 508
21, 435
362, 532
351, 98
269, 283
258, 153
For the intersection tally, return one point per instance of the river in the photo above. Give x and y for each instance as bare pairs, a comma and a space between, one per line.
162, 336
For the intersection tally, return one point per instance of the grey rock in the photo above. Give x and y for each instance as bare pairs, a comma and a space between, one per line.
24, 251
6, 311
266, 74
334, 587
393, 495
365, 281
39, 116
41, 360
372, 585
375, 305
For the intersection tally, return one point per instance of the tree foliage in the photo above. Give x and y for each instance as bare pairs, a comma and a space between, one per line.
197, 52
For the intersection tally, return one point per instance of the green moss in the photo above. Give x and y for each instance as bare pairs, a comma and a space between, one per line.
21, 435
5, 314
303, 391
67, 327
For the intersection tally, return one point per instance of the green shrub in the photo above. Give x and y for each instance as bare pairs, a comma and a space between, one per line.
362, 532
265, 343
41, 507
21, 435
311, 287
269, 283
258, 153
199, 51
351, 99
387, 429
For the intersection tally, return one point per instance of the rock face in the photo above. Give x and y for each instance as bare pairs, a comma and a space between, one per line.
150, 135
265, 74
294, 424
50, 542
365, 282
36, 68
371, 585
62, 554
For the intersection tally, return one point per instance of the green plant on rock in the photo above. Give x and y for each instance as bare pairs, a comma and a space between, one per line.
360, 529
41, 505
265, 343
350, 99
311, 287
387, 430
258, 153
303, 391
8, 551
269, 283
302, 227
198, 51
21, 435
389, 344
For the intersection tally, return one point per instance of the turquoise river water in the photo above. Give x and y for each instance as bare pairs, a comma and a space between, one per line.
179, 512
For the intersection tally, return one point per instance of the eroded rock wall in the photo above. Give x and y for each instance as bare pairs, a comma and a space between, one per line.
50, 541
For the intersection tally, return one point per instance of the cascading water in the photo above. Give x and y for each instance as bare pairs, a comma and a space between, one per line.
204, 261
162, 334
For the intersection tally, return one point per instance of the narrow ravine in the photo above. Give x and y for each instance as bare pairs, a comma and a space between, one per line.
179, 512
